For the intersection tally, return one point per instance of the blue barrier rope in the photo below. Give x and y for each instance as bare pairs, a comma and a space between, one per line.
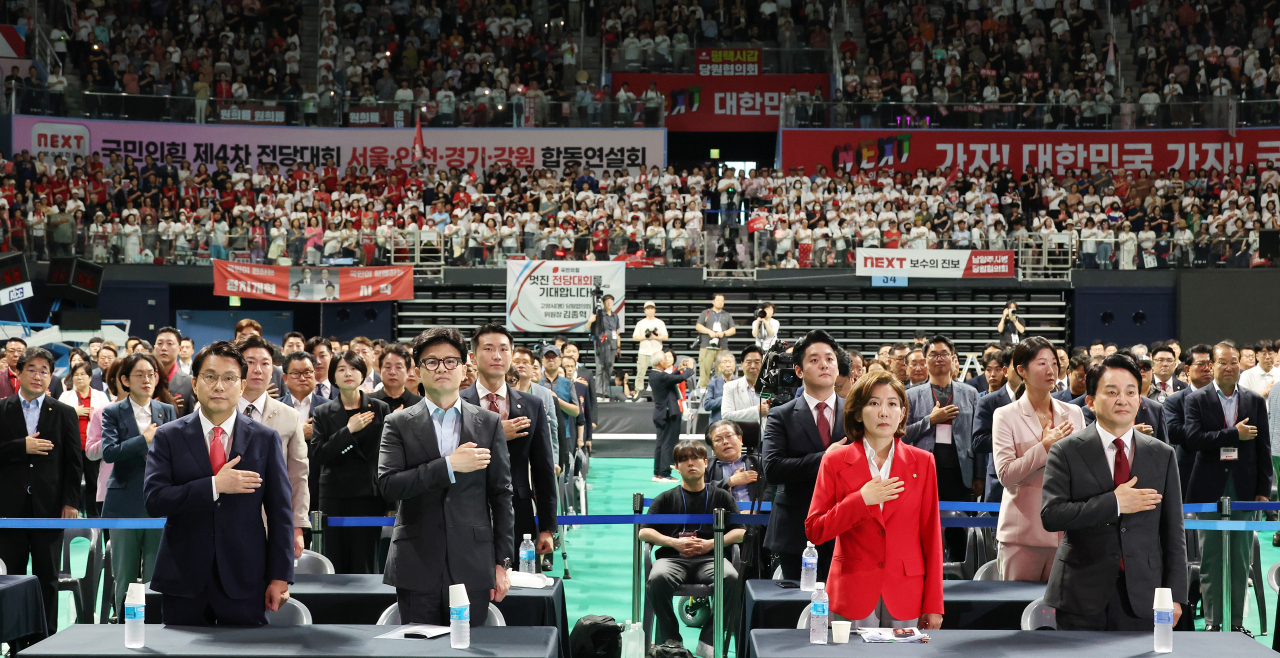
65, 524
954, 506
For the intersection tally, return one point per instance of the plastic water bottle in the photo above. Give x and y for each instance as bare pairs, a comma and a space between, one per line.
459, 617
1163, 607
632, 641
135, 614
808, 568
818, 615
527, 556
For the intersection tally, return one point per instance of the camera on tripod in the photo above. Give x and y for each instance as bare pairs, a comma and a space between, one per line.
778, 380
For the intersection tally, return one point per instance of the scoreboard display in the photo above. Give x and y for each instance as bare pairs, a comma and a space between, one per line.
73, 279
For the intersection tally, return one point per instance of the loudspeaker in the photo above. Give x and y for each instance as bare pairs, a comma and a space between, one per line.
1269, 243
69, 320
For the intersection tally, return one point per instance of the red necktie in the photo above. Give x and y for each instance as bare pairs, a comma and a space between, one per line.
1121, 474
217, 452
824, 428
492, 398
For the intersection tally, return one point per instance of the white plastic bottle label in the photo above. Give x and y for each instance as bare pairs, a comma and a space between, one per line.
135, 612
1164, 617
810, 563
460, 613
819, 609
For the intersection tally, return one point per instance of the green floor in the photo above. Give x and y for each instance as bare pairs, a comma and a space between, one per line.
600, 556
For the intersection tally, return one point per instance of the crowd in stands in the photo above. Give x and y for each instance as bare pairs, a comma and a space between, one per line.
116, 209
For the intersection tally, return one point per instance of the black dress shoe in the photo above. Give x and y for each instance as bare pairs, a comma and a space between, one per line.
1275, 539
1241, 629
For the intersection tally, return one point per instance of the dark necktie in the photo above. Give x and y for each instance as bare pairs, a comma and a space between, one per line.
824, 428
248, 411
1121, 474
492, 399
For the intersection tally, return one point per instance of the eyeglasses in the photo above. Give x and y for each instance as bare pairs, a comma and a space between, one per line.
145, 376
301, 374
1165, 361
939, 356
211, 379
449, 362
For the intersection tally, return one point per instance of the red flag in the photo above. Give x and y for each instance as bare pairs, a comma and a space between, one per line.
419, 147
955, 173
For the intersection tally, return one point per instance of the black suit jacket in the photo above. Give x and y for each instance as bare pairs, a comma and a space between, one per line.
983, 422
533, 462
348, 462
1065, 396
793, 452
53, 480
1175, 430
760, 490
1151, 413
1079, 498
1207, 432
666, 393
979, 382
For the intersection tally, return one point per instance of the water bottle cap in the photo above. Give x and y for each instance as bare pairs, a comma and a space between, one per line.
527, 536
810, 544
819, 585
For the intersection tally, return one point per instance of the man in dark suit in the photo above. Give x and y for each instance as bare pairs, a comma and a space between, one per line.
984, 420
40, 466
740, 473
1077, 374
13, 351
796, 436
107, 354
165, 350
301, 396
667, 412
1200, 375
1227, 432
319, 347
524, 426
445, 463
214, 475
1115, 493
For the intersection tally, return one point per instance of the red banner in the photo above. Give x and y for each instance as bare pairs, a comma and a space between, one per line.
728, 61
246, 113
1058, 150
312, 284
724, 104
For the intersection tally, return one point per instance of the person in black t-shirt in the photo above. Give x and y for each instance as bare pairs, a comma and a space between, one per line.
685, 550
395, 364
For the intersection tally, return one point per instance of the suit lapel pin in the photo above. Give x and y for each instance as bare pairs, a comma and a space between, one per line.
913, 475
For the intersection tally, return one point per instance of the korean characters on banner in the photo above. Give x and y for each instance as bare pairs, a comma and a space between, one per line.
312, 284
728, 61
559, 296
726, 103
1057, 151
251, 145
935, 264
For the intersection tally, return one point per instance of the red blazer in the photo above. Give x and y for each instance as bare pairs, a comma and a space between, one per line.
895, 554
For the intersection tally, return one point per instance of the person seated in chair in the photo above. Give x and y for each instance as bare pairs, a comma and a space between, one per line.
685, 550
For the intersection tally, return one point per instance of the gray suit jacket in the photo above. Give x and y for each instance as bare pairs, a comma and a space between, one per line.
1079, 498
288, 424
446, 532
920, 433
181, 385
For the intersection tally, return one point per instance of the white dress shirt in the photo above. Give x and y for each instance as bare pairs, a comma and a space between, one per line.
504, 405
1257, 380
141, 415
207, 426
1109, 449
829, 412
883, 471
303, 406
448, 426
243, 404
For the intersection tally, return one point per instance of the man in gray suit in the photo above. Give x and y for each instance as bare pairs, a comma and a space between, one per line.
165, 349
941, 422
1122, 541
445, 463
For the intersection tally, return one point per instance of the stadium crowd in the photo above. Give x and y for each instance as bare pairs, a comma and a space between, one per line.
116, 209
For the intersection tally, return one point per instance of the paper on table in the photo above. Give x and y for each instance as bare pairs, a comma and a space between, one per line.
877, 635
529, 580
429, 630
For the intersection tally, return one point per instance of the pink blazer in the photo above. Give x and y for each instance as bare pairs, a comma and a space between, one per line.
1020, 457
93, 450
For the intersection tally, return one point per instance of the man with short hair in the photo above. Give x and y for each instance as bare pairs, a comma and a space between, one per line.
300, 394
585, 390
605, 328
244, 328
364, 347
1232, 458
525, 367
1076, 374
1199, 375
294, 341
917, 368
668, 411
898, 361
714, 327
741, 401
713, 398
1164, 365
394, 365
998, 370
186, 350
649, 332
796, 436
1102, 487
684, 552
444, 462
166, 351
14, 347
322, 350
567, 406
1261, 377
106, 356
733, 470
533, 475
41, 461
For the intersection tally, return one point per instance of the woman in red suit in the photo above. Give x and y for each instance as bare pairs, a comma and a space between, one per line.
878, 498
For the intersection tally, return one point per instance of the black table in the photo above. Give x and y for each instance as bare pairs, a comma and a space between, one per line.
770, 643
21, 608
361, 598
968, 604
89, 640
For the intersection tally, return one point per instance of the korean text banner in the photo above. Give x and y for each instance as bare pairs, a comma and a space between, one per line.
312, 284
558, 296
980, 150
728, 61
935, 263
737, 103
555, 148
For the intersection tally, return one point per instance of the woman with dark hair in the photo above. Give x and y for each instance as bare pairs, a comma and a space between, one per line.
346, 434
878, 498
1022, 433
79, 394
128, 427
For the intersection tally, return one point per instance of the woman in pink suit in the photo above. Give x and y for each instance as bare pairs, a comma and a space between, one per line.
878, 498
1022, 433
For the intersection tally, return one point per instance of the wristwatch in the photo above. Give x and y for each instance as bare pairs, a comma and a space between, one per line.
506, 563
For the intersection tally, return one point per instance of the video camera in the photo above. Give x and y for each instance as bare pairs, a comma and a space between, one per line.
778, 380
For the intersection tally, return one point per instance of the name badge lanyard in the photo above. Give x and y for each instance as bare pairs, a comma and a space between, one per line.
705, 506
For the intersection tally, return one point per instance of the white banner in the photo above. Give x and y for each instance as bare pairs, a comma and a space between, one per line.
558, 296
935, 263
553, 148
